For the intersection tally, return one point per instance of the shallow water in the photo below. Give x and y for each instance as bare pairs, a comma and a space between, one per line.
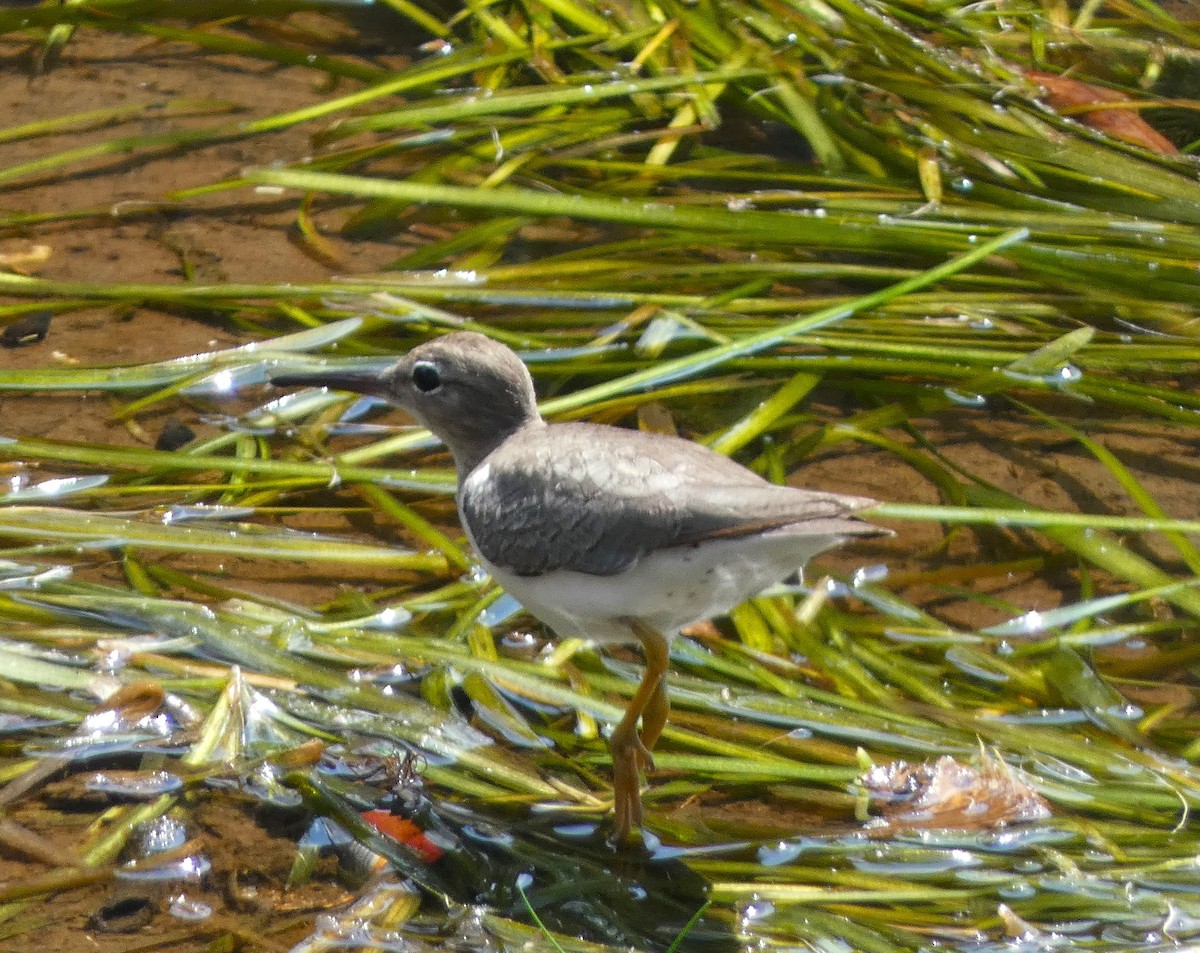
756, 802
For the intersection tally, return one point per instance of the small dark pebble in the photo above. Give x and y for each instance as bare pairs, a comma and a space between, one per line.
122, 916
174, 435
31, 329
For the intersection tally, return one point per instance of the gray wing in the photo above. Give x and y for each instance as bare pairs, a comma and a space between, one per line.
595, 499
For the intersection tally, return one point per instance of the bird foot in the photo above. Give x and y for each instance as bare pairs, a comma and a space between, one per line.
629, 757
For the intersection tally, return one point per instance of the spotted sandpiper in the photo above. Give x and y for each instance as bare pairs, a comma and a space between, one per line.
600, 532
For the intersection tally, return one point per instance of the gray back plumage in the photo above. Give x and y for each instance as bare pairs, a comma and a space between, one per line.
595, 499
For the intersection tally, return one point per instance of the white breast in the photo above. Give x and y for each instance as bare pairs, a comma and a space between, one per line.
668, 589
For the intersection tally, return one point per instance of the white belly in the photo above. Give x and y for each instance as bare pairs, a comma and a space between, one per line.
668, 590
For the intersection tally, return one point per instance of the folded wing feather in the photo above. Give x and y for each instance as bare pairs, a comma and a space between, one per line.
651, 493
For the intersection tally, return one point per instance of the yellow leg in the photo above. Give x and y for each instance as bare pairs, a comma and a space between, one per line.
629, 751
654, 717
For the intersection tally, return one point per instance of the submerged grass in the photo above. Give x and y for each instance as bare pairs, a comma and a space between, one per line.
792, 230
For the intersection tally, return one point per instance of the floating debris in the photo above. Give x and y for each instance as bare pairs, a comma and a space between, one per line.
1084, 102
375, 920
948, 794
138, 718
404, 831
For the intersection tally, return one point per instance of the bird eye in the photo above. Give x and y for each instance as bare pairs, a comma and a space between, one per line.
426, 377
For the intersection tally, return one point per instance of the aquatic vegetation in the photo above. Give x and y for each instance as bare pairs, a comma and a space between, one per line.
942, 256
